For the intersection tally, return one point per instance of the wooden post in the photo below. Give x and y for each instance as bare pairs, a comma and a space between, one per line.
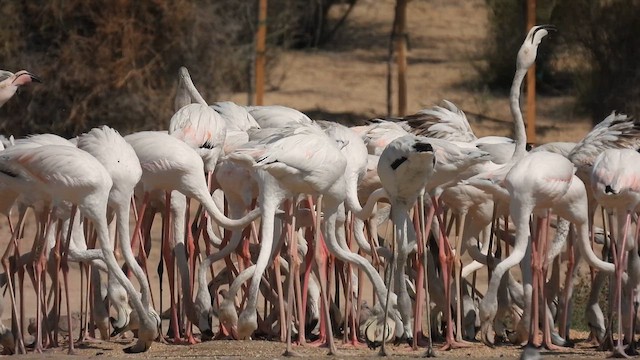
531, 80
401, 48
261, 39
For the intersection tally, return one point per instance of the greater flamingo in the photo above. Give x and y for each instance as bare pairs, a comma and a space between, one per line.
70, 174
615, 180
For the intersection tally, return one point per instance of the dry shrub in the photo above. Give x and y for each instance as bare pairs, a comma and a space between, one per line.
597, 44
116, 62
608, 77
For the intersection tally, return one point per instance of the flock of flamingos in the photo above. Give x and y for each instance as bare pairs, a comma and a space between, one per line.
449, 193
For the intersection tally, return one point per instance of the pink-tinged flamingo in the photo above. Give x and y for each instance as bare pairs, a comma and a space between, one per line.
170, 164
70, 174
615, 180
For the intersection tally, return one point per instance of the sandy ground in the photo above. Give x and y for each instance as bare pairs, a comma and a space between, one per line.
347, 81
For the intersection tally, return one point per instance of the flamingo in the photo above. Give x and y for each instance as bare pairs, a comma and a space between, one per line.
283, 172
10, 82
615, 180
70, 174
405, 166
121, 162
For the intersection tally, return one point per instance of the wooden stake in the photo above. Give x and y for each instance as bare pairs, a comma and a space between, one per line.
401, 45
261, 38
531, 80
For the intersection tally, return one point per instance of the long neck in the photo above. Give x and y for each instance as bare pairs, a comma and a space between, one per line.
205, 199
178, 223
518, 121
365, 211
122, 228
269, 206
329, 227
103, 240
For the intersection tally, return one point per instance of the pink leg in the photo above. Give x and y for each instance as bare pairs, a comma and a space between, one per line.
618, 350
13, 245
445, 257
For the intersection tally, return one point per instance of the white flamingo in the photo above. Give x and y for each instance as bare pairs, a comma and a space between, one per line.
615, 181
70, 174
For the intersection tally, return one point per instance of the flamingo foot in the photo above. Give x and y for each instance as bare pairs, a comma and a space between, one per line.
549, 345
453, 344
138, 347
356, 343
619, 353
487, 336
430, 352
556, 339
319, 342
189, 340
607, 342
593, 339
88, 339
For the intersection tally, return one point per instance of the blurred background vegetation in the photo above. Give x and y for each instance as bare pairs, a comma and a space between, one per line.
115, 62
594, 55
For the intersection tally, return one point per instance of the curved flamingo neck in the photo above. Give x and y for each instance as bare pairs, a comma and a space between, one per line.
122, 228
518, 122
364, 212
330, 209
207, 202
112, 264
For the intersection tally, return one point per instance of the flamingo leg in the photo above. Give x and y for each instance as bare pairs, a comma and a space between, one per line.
64, 265
136, 243
281, 305
546, 340
444, 254
321, 260
535, 259
618, 350
426, 230
294, 273
457, 272
167, 253
417, 319
57, 253
7, 269
192, 251
568, 285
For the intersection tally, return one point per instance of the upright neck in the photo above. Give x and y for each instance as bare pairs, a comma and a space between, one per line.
518, 121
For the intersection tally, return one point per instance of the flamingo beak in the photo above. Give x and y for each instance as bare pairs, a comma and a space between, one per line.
31, 76
34, 78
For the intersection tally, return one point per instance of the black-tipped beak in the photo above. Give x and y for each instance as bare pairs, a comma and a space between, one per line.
549, 27
26, 73
34, 78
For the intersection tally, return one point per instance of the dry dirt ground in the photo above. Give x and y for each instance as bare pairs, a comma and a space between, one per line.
347, 81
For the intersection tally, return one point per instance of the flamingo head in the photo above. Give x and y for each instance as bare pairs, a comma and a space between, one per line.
24, 77
528, 50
